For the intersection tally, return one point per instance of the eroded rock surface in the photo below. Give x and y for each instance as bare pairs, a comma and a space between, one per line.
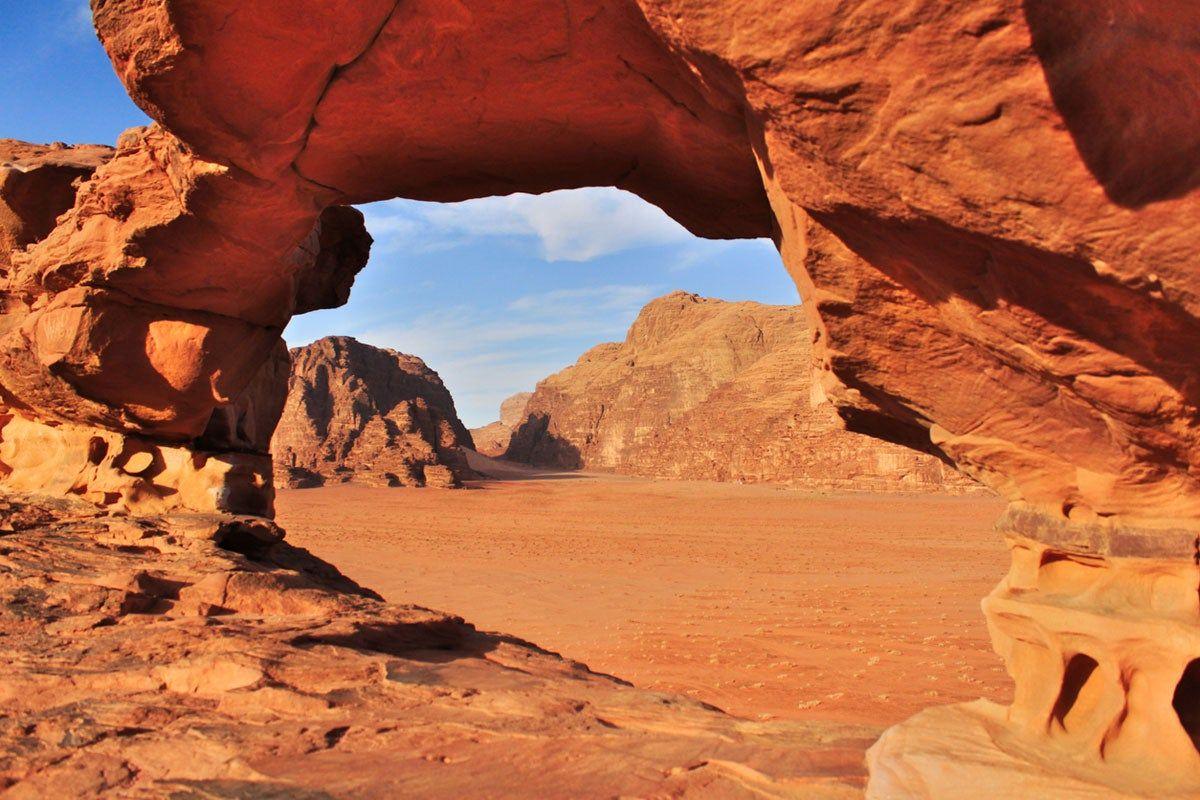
897, 155
988, 207
200, 656
37, 184
711, 390
493, 438
368, 415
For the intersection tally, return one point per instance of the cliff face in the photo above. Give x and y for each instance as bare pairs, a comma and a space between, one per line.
367, 415
492, 439
711, 390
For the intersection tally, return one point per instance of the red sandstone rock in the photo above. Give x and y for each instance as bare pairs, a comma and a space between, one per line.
365, 414
902, 154
148, 368
37, 184
336, 251
709, 390
492, 439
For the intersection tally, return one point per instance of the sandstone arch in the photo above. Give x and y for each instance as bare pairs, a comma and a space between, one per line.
993, 273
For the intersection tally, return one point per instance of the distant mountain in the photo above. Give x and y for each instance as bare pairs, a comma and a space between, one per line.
363, 414
492, 439
712, 390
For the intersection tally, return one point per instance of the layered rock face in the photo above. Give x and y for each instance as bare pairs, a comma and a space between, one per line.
987, 207
368, 415
493, 438
710, 390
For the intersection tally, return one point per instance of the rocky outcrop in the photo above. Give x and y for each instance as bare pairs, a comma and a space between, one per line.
203, 657
705, 389
493, 438
97, 373
987, 208
907, 250
368, 415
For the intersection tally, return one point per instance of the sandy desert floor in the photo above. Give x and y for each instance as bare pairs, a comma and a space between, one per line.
766, 602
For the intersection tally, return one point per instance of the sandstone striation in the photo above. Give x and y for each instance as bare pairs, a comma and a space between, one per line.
988, 208
705, 389
493, 438
368, 415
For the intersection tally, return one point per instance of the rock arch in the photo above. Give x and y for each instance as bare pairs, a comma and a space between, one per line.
986, 280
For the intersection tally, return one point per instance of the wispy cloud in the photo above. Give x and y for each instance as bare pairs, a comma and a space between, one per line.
576, 225
614, 297
496, 337
487, 353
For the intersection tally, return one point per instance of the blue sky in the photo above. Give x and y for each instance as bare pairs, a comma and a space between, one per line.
494, 294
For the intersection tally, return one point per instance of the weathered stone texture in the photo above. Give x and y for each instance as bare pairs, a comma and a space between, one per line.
492, 439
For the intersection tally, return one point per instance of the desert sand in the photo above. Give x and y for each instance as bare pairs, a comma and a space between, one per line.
766, 602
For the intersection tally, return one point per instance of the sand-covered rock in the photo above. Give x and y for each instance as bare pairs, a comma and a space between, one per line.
368, 415
492, 439
712, 390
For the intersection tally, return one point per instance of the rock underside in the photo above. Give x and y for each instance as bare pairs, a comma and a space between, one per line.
363, 414
988, 209
705, 389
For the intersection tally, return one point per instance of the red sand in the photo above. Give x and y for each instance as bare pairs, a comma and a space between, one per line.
764, 601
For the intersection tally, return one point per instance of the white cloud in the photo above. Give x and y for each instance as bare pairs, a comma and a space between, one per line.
485, 354
569, 225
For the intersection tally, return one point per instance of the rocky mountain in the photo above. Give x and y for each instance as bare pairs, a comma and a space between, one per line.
712, 390
363, 414
492, 439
